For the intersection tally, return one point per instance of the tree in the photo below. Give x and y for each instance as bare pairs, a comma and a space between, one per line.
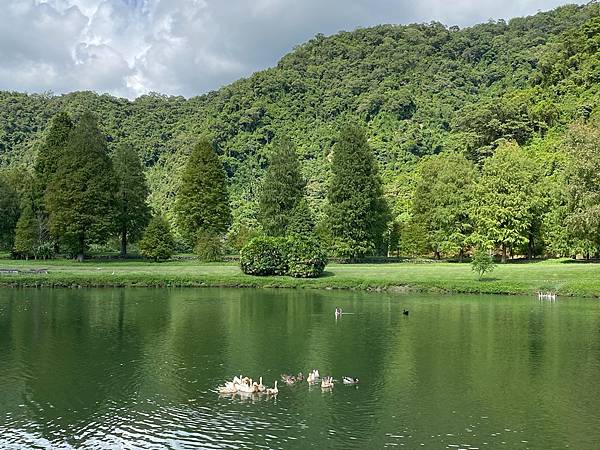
26, 233
80, 198
157, 242
504, 200
583, 186
441, 202
356, 211
9, 213
132, 211
482, 262
281, 190
301, 221
202, 203
50, 152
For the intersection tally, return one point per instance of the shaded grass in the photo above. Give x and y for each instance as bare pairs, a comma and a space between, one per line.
523, 278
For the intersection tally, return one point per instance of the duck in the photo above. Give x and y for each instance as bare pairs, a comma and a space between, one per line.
228, 388
327, 382
350, 380
260, 386
405, 312
313, 377
300, 377
288, 379
273, 390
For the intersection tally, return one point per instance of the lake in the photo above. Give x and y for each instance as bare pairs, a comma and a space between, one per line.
138, 368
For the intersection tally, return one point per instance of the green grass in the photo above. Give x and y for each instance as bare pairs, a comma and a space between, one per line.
563, 277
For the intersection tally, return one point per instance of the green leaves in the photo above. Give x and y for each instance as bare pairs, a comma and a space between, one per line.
356, 212
157, 242
202, 200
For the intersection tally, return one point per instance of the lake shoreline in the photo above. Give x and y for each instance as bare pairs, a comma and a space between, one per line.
556, 276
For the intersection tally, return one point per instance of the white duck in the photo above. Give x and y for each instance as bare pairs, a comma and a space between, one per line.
273, 390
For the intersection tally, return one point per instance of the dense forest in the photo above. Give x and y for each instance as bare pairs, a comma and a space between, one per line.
483, 136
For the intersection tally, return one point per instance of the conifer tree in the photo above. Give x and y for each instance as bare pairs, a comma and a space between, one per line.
301, 222
202, 203
80, 197
52, 149
356, 211
26, 233
157, 241
281, 190
132, 211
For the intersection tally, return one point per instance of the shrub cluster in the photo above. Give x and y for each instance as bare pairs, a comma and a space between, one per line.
293, 256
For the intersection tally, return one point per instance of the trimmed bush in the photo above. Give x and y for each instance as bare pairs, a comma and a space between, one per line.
264, 255
305, 257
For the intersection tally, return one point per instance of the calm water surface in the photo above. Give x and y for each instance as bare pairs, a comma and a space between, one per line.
137, 368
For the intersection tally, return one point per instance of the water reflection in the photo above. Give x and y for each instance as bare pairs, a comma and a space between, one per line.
138, 369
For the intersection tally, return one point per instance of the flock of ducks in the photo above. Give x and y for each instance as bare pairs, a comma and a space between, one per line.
547, 296
246, 386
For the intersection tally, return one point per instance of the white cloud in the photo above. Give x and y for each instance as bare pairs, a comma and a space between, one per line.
187, 47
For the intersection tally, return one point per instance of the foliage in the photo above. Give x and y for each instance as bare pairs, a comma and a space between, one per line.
504, 200
441, 202
202, 200
305, 258
264, 255
583, 185
281, 190
9, 213
80, 197
482, 262
132, 211
157, 242
301, 222
356, 212
209, 246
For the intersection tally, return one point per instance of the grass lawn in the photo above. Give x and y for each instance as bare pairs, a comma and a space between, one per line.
561, 276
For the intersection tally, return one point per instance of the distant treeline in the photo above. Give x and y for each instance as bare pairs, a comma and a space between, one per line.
481, 137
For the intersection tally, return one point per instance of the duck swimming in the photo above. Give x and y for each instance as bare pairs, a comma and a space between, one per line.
350, 380
327, 382
273, 390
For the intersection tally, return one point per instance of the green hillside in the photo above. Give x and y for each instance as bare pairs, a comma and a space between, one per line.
419, 90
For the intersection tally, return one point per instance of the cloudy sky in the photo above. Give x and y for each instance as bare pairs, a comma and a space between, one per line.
188, 47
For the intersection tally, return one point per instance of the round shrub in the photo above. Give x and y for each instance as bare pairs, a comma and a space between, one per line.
264, 255
305, 257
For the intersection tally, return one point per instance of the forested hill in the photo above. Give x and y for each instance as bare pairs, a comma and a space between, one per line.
418, 89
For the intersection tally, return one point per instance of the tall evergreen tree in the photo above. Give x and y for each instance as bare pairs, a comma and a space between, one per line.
357, 212
281, 190
132, 211
80, 198
202, 203
51, 151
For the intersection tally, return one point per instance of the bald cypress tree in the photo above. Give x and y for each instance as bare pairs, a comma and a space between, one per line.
282, 189
132, 211
51, 151
202, 203
80, 197
356, 211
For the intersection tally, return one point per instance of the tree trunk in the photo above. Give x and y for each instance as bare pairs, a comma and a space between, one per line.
80, 253
461, 255
530, 247
503, 253
437, 254
123, 242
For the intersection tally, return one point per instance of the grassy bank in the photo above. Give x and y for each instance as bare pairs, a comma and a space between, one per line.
565, 278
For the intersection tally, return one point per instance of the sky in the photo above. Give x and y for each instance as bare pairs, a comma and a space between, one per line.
188, 47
